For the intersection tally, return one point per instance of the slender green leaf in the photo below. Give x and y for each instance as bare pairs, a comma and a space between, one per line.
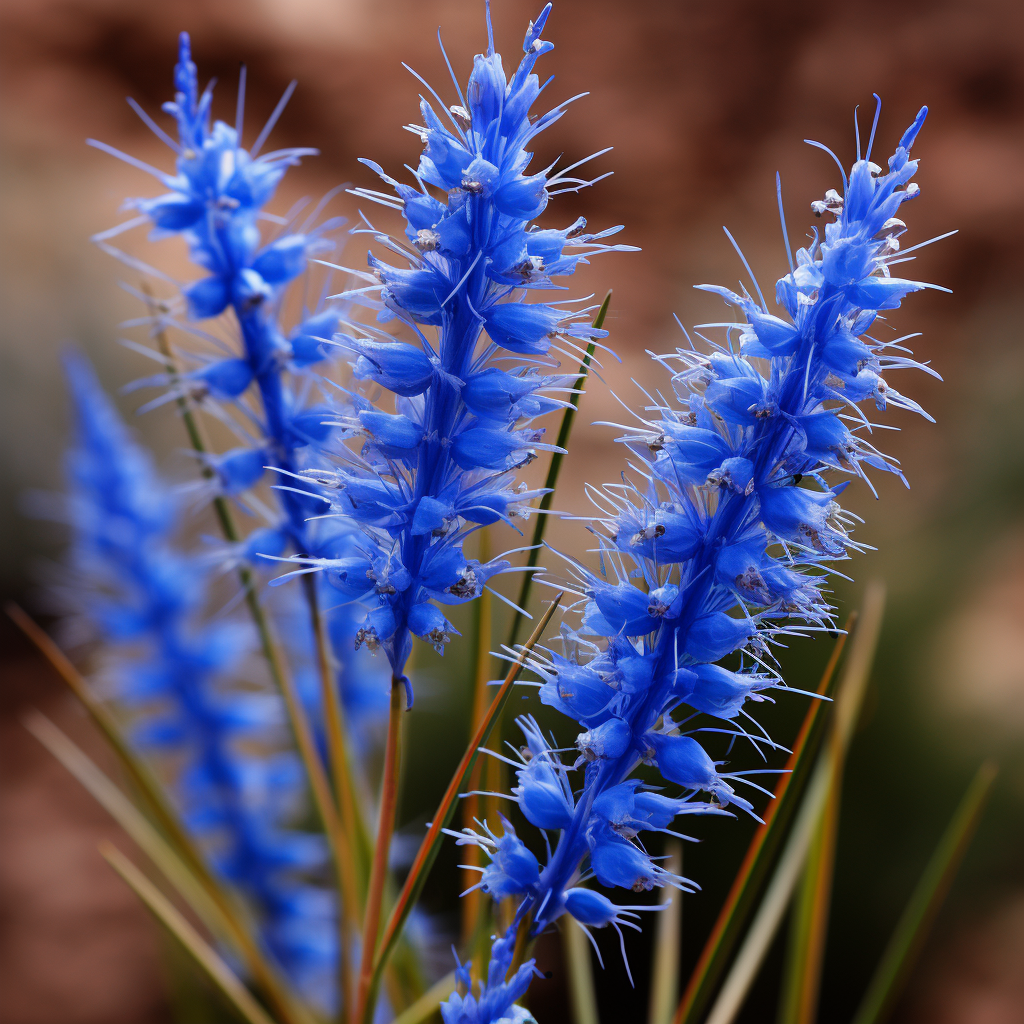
849, 698
925, 902
564, 430
204, 955
428, 1002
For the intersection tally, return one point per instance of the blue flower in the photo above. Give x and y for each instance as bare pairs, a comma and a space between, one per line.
172, 675
727, 537
439, 458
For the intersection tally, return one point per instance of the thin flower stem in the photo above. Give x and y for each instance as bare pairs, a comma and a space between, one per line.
379, 867
427, 852
165, 816
351, 821
169, 916
553, 470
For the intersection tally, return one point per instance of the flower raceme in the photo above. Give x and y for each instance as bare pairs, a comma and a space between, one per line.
729, 530
216, 200
442, 462
236, 787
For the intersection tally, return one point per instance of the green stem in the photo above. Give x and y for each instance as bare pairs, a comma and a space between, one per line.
427, 852
553, 470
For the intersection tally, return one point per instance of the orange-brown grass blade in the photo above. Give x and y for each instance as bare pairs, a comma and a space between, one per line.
753, 871
428, 850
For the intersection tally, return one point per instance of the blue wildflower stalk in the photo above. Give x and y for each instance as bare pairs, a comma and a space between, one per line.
730, 529
216, 201
237, 790
443, 462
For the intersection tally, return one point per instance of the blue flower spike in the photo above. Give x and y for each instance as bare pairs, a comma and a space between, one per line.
439, 459
729, 535
238, 790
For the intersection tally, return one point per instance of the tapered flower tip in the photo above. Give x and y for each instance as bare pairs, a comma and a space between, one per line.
911, 133
534, 31
186, 73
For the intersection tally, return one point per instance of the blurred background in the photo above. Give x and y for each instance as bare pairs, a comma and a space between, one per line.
703, 104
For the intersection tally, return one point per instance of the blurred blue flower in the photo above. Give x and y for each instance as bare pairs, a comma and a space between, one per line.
238, 789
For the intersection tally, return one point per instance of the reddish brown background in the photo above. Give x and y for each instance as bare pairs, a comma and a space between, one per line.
703, 102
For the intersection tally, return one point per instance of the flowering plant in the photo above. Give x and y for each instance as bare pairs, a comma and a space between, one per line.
381, 432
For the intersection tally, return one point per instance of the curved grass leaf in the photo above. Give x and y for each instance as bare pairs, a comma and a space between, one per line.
772, 908
427, 852
925, 902
203, 954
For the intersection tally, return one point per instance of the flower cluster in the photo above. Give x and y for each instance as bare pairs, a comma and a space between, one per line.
729, 533
443, 462
236, 787
216, 201
497, 996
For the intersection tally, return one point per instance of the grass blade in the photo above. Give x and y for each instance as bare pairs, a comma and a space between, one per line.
850, 696
165, 816
427, 852
127, 815
925, 902
751, 877
809, 917
576, 950
428, 1002
667, 942
564, 430
204, 955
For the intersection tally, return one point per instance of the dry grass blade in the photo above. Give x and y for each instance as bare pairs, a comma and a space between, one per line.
428, 848
428, 1002
848, 702
203, 954
752, 874
667, 943
808, 928
924, 904
164, 815
580, 970
125, 813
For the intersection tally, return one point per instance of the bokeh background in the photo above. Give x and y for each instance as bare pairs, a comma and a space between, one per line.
703, 103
